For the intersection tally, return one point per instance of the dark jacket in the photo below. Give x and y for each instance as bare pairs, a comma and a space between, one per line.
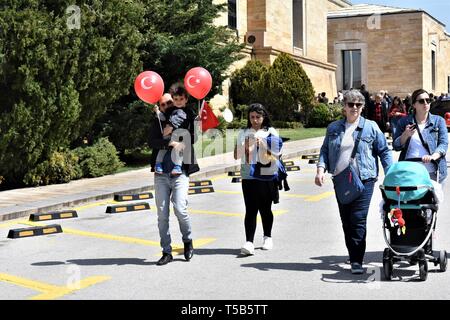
157, 142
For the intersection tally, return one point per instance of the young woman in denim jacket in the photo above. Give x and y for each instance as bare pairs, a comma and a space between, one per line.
335, 156
434, 134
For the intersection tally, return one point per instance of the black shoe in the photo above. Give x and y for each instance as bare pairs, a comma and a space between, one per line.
165, 259
188, 250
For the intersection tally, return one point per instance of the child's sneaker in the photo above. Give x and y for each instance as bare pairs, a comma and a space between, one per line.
176, 171
159, 168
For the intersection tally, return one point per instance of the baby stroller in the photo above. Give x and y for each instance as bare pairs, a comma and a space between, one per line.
408, 231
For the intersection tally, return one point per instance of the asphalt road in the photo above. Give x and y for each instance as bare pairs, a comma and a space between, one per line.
113, 256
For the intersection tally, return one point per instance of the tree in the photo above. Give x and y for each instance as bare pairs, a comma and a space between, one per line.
284, 87
56, 80
181, 34
245, 82
281, 87
178, 35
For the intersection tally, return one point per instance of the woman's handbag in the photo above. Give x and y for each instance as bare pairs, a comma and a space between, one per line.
347, 184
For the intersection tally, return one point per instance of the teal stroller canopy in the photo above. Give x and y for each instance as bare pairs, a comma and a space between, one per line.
407, 174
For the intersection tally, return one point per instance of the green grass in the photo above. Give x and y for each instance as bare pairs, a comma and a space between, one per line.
302, 133
143, 160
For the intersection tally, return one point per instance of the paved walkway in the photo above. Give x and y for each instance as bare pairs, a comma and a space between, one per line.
22, 202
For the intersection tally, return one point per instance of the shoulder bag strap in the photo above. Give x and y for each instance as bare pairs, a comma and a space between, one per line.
420, 136
358, 138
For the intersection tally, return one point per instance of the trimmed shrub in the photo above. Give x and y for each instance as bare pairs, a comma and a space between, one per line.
286, 125
285, 87
244, 84
281, 88
336, 112
99, 159
60, 168
320, 116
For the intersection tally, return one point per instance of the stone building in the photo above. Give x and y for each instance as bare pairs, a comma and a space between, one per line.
296, 27
389, 48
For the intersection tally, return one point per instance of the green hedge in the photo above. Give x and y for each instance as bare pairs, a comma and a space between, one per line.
60, 168
99, 159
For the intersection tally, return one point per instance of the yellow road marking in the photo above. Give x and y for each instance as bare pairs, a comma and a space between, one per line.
228, 192
179, 249
11, 223
199, 242
48, 291
320, 196
96, 204
219, 177
281, 194
230, 214
308, 198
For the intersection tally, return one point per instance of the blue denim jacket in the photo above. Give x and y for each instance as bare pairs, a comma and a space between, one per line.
373, 144
434, 134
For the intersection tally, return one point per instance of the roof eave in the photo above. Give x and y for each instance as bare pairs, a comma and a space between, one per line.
388, 13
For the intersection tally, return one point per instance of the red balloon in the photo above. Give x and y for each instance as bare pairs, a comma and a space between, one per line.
149, 86
198, 82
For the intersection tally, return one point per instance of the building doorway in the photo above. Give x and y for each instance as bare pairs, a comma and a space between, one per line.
351, 62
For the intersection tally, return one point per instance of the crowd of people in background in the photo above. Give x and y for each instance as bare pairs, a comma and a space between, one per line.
381, 107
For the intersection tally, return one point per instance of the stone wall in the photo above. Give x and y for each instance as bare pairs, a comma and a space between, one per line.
435, 39
391, 50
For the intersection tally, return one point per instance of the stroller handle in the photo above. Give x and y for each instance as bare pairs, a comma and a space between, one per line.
432, 161
420, 160
405, 188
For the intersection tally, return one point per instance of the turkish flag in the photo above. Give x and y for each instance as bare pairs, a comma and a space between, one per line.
209, 119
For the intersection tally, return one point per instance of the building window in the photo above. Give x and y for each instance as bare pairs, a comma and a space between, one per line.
433, 70
232, 14
297, 23
351, 69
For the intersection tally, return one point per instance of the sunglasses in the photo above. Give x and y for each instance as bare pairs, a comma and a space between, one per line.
354, 104
422, 101
168, 103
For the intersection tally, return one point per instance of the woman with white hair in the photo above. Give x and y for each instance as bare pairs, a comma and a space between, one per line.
357, 143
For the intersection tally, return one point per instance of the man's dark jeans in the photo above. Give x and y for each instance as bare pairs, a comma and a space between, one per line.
354, 221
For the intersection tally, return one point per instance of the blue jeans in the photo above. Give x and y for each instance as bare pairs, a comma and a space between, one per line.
354, 221
175, 189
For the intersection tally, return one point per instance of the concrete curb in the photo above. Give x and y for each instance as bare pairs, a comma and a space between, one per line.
59, 203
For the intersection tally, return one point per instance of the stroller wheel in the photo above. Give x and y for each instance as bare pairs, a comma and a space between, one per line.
442, 260
388, 265
423, 269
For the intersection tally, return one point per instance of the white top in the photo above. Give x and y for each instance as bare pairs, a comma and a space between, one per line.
347, 145
417, 150
243, 134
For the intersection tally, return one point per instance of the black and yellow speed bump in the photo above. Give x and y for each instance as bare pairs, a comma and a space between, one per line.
201, 190
236, 180
34, 231
288, 163
310, 156
129, 207
311, 161
201, 183
234, 173
293, 168
132, 197
53, 215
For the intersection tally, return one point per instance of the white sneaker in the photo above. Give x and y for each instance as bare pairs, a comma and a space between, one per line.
268, 243
248, 248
